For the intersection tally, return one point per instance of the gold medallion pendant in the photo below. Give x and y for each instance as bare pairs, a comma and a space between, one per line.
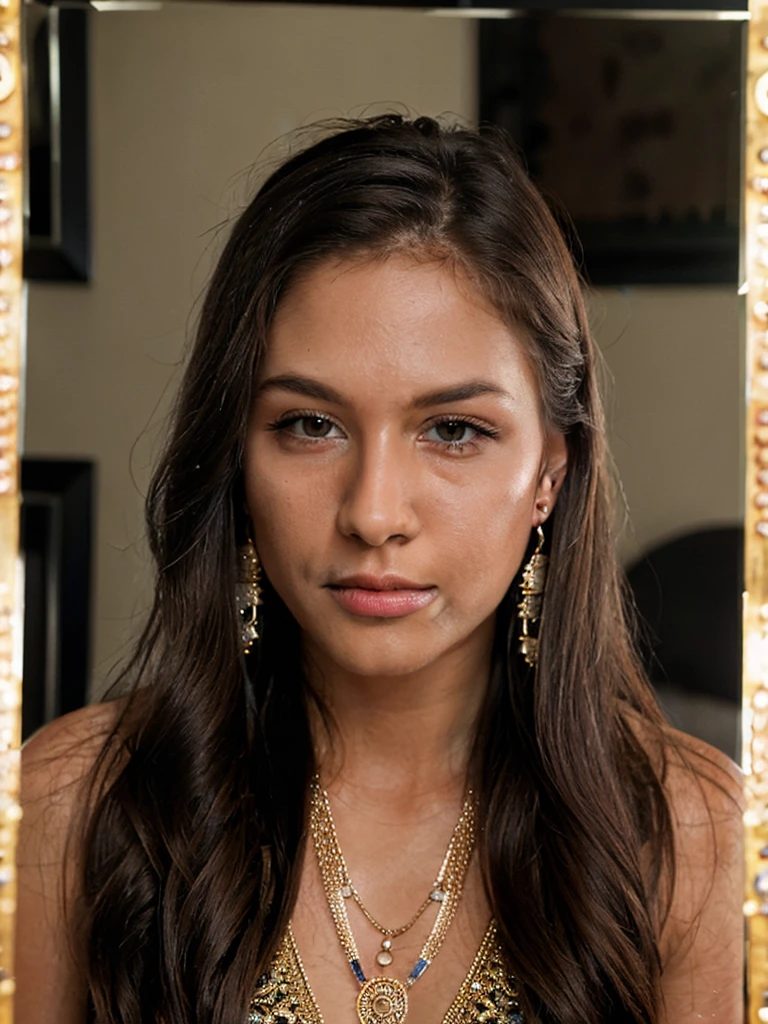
382, 1001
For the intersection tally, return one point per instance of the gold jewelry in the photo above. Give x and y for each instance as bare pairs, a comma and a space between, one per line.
436, 894
385, 956
529, 609
385, 1000
489, 991
248, 594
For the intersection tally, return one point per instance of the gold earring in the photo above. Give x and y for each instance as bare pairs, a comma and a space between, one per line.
248, 594
529, 609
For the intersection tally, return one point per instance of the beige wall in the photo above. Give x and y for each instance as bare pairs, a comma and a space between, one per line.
184, 102
675, 407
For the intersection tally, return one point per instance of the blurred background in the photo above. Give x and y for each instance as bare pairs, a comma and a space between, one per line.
151, 128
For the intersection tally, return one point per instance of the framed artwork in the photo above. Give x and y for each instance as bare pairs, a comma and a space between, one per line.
633, 127
722, 6
56, 544
57, 241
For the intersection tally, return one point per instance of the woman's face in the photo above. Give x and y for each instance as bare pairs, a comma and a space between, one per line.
395, 464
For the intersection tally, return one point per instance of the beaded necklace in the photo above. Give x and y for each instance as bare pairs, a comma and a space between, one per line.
384, 1000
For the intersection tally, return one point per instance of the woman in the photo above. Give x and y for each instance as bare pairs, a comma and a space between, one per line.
371, 759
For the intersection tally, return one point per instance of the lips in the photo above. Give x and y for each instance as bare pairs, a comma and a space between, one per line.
383, 597
366, 581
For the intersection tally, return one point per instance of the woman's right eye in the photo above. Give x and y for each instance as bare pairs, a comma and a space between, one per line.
316, 428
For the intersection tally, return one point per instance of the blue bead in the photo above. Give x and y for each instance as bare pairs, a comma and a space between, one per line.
357, 970
419, 968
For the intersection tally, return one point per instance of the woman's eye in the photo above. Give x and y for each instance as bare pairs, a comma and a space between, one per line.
453, 432
316, 428
455, 435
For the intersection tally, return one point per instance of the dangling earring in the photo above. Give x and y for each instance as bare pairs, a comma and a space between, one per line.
248, 594
529, 609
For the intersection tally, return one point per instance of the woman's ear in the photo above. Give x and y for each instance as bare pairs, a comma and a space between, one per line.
551, 478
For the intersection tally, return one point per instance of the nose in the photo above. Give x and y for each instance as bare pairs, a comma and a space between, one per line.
377, 503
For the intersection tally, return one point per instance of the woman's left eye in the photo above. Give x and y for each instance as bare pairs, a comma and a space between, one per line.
456, 434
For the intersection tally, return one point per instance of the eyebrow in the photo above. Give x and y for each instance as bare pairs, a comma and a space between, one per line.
311, 388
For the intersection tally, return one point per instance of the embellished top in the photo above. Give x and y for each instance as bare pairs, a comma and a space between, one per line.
488, 995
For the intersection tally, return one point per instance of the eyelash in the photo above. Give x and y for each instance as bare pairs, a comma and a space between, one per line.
482, 429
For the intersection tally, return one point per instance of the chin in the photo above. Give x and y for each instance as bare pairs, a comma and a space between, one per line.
375, 657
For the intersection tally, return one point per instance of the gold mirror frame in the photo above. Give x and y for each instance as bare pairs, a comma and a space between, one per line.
755, 677
755, 681
12, 322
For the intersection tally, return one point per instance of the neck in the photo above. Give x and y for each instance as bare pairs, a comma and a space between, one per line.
404, 738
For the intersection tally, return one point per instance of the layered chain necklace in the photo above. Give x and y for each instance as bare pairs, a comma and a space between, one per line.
384, 1000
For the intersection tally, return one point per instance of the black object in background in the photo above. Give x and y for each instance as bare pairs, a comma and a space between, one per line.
56, 541
633, 126
688, 592
57, 244
537, 5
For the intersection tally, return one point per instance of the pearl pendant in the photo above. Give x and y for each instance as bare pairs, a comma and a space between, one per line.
384, 958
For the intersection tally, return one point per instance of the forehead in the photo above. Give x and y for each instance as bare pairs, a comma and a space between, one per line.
406, 323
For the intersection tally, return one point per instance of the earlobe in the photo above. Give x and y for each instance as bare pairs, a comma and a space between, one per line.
540, 514
551, 479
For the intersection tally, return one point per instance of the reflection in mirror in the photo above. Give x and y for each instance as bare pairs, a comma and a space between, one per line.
634, 124
190, 105
187, 103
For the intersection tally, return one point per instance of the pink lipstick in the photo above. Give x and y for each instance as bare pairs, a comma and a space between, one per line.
383, 597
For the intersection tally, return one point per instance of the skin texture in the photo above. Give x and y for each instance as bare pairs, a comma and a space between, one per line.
384, 492
365, 480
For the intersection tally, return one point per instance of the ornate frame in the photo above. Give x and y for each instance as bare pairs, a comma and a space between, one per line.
755, 680
11, 344
755, 289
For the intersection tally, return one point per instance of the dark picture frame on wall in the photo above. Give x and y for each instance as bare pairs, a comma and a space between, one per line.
56, 545
57, 238
631, 127
692, 6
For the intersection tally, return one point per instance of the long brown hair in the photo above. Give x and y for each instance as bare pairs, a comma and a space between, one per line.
193, 839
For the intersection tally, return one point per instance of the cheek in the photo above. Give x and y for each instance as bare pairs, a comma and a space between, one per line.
475, 526
489, 537
289, 511
481, 534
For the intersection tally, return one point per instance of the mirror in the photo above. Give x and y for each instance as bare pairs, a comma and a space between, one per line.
190, 103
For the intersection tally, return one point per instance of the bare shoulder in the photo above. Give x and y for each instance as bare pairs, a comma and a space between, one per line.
56, 764
705, 793
702, 780
60, 756
701, 942
77, 736
699, 780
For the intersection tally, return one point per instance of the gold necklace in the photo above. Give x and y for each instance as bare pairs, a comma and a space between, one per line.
385, 956
436, 894
489, 992
385, 1000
